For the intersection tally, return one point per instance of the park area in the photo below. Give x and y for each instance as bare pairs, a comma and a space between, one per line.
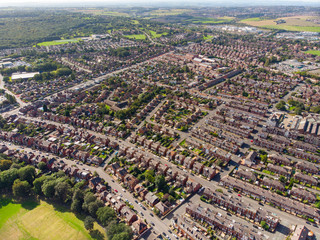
40, 220
59, 42
136, 36
295, 23
314, 52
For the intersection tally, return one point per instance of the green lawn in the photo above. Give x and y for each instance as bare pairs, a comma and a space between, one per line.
58, 42
136, 36
251, 19
207, 37
157, 35
30, 220
314, 52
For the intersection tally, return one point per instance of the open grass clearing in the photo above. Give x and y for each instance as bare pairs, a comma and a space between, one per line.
58, 42
207, 37
32, 220
314, 52
157, 35
136, 36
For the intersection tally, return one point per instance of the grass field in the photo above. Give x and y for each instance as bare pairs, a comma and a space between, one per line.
116, 14
207, 37
58, 42
251, 19
135, 21
295, 23
136, 36
42, 221
157, 35
314, 52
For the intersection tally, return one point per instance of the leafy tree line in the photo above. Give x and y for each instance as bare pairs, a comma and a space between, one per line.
26, 181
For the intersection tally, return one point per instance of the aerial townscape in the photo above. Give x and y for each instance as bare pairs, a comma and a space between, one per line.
159, 121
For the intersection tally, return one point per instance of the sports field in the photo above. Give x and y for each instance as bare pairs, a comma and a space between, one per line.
295, 23
42, 221
58, 42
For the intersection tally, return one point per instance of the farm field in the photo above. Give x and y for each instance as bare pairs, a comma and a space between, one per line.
168, 12
58, 42
106, 12
136, 36
212, 20
31, 220
295, 23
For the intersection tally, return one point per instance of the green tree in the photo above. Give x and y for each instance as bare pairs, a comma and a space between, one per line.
93, 207
106, 215
281, 106
282, 179
245, 94
160, 182
21, 189
122, 236
37, 184
62, 191
115, 228
48, 188
42, 166
88, 198
27, 173
8, 177
264, 225
45, 108
88, 223
5, 164
264, 158
11, 99
76, 206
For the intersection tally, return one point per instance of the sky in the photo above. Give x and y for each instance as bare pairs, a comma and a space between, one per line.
95, 3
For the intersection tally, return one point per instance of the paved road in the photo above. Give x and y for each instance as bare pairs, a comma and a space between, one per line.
196, 199
147, 213
286, 218
88, 84
289, 219
151, 114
